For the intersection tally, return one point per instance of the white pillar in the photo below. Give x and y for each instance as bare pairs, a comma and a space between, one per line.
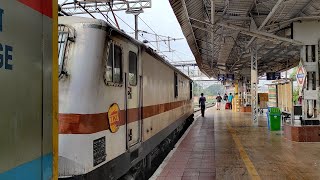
308, 33
254, 84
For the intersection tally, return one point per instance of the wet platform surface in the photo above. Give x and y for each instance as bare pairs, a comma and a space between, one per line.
225, 145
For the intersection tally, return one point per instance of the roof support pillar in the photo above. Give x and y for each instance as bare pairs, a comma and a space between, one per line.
254, 84
308, 33
235, 102
213, 10
310, 61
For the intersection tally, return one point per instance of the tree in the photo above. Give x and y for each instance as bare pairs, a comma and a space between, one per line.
214, 90
197, 89
295, 94
293, 74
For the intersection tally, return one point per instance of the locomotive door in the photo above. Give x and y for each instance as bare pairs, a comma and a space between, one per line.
133, 99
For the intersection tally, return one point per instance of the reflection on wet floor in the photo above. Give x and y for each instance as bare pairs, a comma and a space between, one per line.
225, 145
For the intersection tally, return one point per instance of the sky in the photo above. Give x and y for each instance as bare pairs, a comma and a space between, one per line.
162, 20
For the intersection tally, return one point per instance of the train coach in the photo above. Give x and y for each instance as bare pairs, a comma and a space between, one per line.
121, 105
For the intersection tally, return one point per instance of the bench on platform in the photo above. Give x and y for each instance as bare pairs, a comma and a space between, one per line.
285, 116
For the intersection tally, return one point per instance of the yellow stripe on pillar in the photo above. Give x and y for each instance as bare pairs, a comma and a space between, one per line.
55, 87
236, 97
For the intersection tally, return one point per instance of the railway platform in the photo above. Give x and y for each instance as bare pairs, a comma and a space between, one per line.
224, 145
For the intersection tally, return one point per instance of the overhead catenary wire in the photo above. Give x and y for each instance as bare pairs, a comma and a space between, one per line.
115, 22
171, 38
174, 51
133, 29
160, 38
109, 20
150, 28
141, 35
105, 16
115, 19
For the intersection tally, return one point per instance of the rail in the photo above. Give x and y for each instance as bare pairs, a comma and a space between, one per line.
208, 105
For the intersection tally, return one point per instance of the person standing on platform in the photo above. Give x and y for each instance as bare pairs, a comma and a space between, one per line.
230, 98
202, 104
300, 100
219, 99
225, 97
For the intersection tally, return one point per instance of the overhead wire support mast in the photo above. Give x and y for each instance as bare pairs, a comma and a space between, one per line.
90, 7
115, 19
72, 6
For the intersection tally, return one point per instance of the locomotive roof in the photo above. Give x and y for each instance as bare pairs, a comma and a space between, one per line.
70, 20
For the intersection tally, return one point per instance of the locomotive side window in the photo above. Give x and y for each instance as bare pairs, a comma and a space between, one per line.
175, 85
109, 70
117, 70
133, 68
114, 64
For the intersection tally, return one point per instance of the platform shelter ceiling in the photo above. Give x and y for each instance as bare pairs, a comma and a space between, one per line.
238, 25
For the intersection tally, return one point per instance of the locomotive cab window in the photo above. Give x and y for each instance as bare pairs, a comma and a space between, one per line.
114, 64
175, 85
133, 68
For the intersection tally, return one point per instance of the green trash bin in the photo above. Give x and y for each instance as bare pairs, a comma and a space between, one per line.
275, 119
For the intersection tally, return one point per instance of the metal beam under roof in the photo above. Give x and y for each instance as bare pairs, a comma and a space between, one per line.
239, 23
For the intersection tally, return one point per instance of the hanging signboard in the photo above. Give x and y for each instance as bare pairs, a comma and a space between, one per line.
277, 75
273, 75
221, 77
301, 75
230, 77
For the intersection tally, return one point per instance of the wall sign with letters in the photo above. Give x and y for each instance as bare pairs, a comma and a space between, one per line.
1, 13
6, 51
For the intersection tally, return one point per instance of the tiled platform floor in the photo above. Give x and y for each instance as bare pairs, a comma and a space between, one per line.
210, 150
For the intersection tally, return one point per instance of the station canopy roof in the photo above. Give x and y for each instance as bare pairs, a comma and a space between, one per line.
223, 45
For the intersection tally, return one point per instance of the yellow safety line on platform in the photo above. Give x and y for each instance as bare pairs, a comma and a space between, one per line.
55, 88
249, 165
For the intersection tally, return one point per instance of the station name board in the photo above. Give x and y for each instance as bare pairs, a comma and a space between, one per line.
273, 75
6, 51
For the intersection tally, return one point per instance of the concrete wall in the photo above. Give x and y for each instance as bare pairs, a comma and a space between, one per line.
26, 96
